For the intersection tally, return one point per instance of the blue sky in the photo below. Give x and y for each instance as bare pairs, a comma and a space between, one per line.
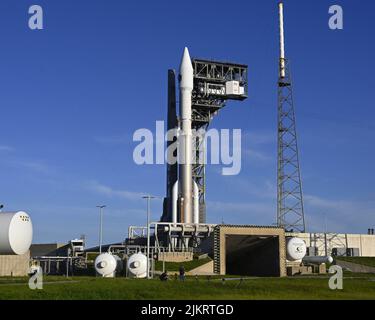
72, 95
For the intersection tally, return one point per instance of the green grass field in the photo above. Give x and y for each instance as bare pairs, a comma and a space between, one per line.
366, 261
316, 288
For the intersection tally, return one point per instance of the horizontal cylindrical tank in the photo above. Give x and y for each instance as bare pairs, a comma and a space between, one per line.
16, 233
107, 264
295, 249
318, 259
137, 265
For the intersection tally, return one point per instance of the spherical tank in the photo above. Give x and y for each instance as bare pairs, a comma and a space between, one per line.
16, 233
295, 249
105, 265
137, 265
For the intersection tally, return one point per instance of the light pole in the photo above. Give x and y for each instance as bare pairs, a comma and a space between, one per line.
101, 207
149, 198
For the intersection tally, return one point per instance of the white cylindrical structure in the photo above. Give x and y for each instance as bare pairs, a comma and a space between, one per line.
196, 203
106, 265
295, 249
185, 146
137, 265
318, 259
174, 202
282, 40
16, 233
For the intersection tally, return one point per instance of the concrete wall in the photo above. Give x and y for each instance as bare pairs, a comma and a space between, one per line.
16, 266
326, 242
204, 270
175, 256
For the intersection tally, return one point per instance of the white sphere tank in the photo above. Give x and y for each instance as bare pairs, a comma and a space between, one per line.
16, 233
295, 249
137, 265
105, 265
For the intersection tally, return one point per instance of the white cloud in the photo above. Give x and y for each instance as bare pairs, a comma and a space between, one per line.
246, 213
262, 190
341, 216
254, 144
351, 216
241, 207
259, 138
110, 192
6, 148
36, 166
115, 140
256, 155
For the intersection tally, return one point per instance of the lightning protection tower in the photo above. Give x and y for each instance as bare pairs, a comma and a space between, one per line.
290, 208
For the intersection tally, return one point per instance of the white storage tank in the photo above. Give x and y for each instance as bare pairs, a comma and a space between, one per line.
16, 233
318, 260
107, 265
137, 265
295, 249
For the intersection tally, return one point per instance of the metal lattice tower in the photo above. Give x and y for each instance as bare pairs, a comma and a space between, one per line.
208, 98
290, 208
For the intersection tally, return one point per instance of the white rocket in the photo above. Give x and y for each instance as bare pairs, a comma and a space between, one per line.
186, 178
185, 188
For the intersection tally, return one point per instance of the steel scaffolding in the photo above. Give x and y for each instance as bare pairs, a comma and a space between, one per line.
290, 208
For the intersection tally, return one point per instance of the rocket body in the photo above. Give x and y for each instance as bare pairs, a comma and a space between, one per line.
185, 147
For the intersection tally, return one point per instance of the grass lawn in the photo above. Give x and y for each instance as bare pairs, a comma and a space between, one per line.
365, 261
362, 287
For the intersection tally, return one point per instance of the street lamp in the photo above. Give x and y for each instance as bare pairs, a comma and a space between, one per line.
149, 198
101, 207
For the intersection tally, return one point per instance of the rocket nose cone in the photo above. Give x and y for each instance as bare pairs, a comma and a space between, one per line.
186, 62
186, 71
